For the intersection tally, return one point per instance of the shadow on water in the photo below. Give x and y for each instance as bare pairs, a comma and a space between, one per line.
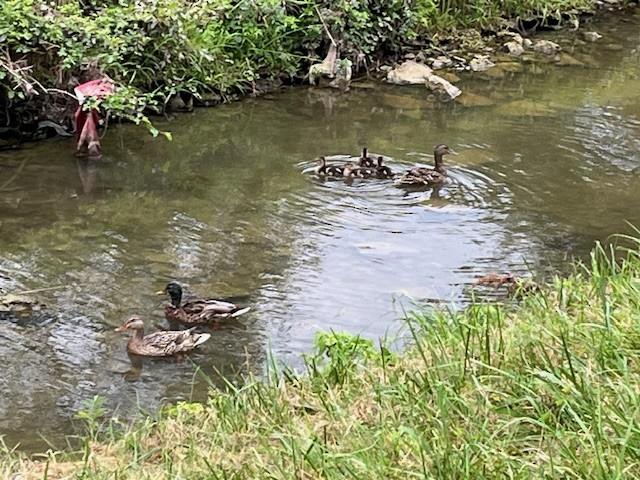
547, 166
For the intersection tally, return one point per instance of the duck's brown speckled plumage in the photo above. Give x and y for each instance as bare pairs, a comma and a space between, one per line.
425, 175
163, 343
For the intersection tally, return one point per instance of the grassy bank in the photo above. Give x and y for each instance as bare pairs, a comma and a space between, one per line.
545, 388
216, 49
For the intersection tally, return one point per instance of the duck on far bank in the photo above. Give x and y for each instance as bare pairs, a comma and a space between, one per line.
425, 175
200, 311
162, 343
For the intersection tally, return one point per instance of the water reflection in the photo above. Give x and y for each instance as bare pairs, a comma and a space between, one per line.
226, 209
88, 173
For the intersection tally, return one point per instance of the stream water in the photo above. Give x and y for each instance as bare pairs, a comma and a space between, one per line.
548, 164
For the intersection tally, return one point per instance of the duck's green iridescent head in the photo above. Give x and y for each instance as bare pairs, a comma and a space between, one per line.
174, 290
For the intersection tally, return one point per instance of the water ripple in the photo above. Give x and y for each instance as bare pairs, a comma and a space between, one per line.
605, 138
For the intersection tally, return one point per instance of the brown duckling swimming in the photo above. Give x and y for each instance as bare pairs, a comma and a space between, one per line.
330, 170
163, 343
516, 286
365, 160
382, 171
425, 175
495, 280
354, 171
200, 311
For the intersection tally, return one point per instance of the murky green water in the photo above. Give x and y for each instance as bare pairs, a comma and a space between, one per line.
550, 166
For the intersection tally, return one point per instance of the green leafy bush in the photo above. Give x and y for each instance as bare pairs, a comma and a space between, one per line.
158, 48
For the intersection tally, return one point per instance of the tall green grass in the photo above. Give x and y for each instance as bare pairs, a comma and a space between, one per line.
547, 388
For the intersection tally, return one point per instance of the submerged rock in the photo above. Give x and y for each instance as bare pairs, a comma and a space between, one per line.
529, 108
449, 76
509, 67
468, 99
566, 60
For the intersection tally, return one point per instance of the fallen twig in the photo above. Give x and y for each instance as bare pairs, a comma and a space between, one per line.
38, 290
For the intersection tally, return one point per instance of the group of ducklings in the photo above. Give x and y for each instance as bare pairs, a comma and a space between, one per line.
362, 167
193, 313
366, 167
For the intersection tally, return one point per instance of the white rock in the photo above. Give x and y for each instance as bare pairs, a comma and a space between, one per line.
409, 73
514, 48
546, 47
441, 62
591, 36
440, 85
481, 63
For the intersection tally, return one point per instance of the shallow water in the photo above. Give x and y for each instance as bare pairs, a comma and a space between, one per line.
552, 165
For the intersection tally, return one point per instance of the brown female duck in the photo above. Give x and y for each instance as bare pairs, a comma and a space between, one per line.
163, 343
199, 311
425, 175
330, 170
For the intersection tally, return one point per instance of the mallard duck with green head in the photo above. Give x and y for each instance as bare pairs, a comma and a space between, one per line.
200, 311
425, 175
163, 343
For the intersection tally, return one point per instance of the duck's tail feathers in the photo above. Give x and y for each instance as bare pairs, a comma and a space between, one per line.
237, 313
202, 337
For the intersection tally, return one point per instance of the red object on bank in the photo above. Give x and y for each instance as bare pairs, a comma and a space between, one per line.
87, 122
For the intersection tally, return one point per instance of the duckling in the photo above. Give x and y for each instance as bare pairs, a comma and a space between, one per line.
495, 280
365, 160
353, 171
162, 343
330, 170
199, 311
382, 171
425, 175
